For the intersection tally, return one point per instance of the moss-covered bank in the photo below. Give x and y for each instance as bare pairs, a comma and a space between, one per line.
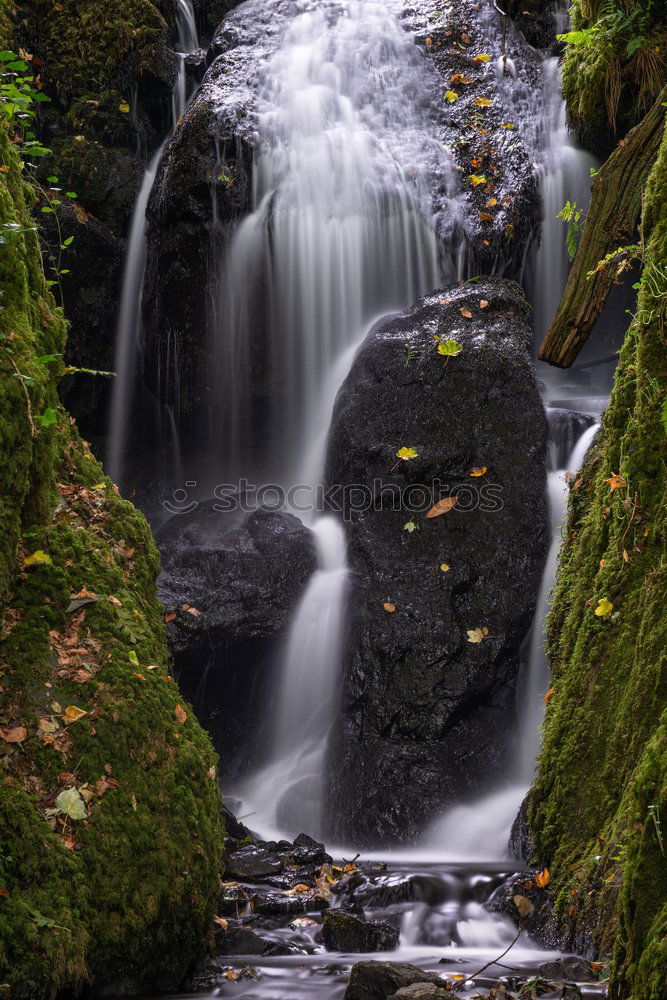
122, 891
598, 809
614, 67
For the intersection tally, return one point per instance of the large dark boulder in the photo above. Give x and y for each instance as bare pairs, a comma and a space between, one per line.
230, 584
426, 714
380, 980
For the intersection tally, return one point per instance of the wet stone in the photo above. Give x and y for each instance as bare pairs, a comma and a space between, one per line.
347, 933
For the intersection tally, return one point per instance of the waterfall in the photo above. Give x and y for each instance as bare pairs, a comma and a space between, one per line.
341, 228
128, 328
288, 791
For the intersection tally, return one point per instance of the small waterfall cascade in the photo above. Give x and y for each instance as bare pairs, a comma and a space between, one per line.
480, 830
128, 329
342, 226
288, 790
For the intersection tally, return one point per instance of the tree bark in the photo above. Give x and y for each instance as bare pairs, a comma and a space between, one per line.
612, 221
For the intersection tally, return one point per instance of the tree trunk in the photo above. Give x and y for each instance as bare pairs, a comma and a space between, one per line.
612, 221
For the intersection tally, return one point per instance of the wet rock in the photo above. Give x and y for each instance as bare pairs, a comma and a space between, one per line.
345, 932
252, 864
565, 429
243, 577
421, 991
570, 968
239, 941
426, 714
380, 980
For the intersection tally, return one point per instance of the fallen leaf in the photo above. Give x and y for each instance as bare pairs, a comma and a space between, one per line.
124, 107
482, 58
542, 879
465, 313
523, 905
195, 612
483, 102
476, 635
429, 41
604, 608
410, 527
508, 126
388, 606
486, 217
626, 557
483, 304
477, 179
73, 714
405, 454
443, 506
71, 804
444, 568
616, 481
180, 714
211, 773
16, 735
133, 658
479, 471
451, 96
450, 348
221, 922
298, 890
38, 558
549, 695
170, 617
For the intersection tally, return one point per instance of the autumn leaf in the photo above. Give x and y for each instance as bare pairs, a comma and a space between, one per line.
38, 558
549, 695
450, 348
443, 506
604, 608
73, 714
388, 606
482, 58
508, 126
429, 41
451, 96
444, 568
410, 527
486, 217
124, 107
170, 617
523, 905
16, 735
221, 922
71, 804
542, 879
483, 102
617, 481
407, 453
478, 471
626, 557
477, 179
465, 313
180, 714
477, 635
483, 304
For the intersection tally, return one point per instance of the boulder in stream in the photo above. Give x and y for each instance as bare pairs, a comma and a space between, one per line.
439, 606
380, 980
345, 932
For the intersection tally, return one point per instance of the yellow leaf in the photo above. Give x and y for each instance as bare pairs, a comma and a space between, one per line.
443, 506
483, 102
124, 107
542, 879
604, 608
508, 126
429, 41
99, 486
388, 606
38, 558
482, 58
476, 635
444, 568
180, 715
477, 472
406, 454
617, 481
451, 96
626, 557
73, 714
477, 179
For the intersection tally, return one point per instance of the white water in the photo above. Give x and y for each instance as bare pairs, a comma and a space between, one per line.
342, 226
289, 788
128, 329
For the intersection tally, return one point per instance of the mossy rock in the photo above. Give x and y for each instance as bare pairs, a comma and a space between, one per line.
598, 808
123, 894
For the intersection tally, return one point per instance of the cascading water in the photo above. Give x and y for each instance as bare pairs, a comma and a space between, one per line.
342, 225
128, 330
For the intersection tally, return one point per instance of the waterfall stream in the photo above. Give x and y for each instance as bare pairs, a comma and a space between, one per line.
128, 329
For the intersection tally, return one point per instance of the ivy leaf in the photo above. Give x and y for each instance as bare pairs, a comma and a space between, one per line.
71, 804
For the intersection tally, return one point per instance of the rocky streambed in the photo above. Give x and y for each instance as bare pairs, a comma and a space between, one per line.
297, 921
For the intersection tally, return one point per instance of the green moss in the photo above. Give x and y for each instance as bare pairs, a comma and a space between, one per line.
127, 894
614, 67
602, 780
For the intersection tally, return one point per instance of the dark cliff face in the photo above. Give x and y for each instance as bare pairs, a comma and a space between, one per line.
426, 715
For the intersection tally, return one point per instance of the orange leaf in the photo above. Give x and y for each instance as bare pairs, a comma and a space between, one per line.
477, 472
180, 714
486, 217
73, 714
549, 695
483, 304
170, 617
466, 313
443, 506
542, 879
16, 735
617, 481
389, 607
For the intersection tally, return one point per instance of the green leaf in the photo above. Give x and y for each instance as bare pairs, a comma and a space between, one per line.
133, 658
71, 194
45, 359
48, 418
52, 180
450, 348
664, 414
71, 804
410, 527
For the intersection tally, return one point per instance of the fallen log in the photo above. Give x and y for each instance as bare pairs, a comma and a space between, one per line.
612, 222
